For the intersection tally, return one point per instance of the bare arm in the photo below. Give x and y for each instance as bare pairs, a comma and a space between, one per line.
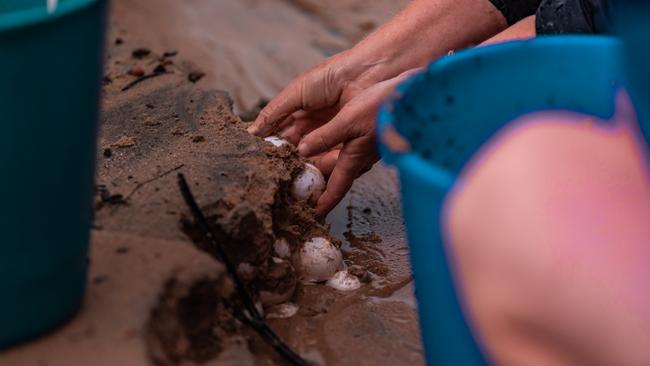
423, 31
331, 108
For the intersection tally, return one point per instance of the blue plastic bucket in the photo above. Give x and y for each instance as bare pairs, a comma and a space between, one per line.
50, 80
631, 20
446, 113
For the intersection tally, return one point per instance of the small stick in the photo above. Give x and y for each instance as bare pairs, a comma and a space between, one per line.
253, 318
142, 184
143, 78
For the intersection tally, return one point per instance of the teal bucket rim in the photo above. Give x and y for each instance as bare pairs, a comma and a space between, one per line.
411, 161
36, 15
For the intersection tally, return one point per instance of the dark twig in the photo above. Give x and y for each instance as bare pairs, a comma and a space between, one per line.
142, 184
268, 335
252, 316
143, 78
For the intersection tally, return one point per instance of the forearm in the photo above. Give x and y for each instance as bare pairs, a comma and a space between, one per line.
423, 31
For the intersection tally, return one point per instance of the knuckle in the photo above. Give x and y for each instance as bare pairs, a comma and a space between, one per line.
303, 97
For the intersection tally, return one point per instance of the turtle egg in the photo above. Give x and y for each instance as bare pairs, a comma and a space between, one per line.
281, 248
309, 184
246, 271
318, 260
344, 281
283, 311
276, 141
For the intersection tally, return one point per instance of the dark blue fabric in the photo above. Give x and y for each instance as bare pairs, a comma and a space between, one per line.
558, 16
572, 16
516, 10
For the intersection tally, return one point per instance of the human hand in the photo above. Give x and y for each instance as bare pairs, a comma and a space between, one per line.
334, 125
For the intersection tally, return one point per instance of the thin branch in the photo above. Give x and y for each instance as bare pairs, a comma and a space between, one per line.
252, 317
142, 184
143, 78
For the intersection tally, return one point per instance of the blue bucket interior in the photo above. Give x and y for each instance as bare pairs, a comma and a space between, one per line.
21, 13
447, 113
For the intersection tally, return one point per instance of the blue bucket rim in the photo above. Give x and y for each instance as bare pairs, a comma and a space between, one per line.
414, 166
37, 15
412, 162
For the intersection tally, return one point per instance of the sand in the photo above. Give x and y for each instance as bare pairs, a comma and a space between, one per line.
174, 121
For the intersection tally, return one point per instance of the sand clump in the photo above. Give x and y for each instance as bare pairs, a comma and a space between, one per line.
241, 182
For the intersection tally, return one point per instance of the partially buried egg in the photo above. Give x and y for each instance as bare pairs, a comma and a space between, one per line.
318, 260
283, 311
276, 141
344, 281
281, 248
309, 184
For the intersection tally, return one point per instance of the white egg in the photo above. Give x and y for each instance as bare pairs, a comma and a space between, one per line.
276, 141
309, 184
283, 311
344, 281
281, 248
318, 260
246, 271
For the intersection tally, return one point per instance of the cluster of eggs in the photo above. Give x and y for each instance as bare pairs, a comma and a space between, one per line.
317, 260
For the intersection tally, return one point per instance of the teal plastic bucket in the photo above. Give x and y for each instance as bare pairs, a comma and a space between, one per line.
447, 113
50, 80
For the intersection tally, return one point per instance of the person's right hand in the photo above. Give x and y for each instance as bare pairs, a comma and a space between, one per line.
318, 91
331, 117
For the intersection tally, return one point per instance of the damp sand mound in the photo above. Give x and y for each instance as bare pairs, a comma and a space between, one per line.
163, 125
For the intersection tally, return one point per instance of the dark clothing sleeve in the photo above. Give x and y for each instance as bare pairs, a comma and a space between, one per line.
571, 17
516, 10
557, 16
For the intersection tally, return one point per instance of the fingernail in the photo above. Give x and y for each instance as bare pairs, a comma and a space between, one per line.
303, 149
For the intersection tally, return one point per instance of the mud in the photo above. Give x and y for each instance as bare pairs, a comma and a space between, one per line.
190, 323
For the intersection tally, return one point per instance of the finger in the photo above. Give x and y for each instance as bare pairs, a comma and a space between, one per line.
314, 90
326, 137
278, 109
327, 161
285, 127
285, 123
345, 171
305, 122
291, 134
